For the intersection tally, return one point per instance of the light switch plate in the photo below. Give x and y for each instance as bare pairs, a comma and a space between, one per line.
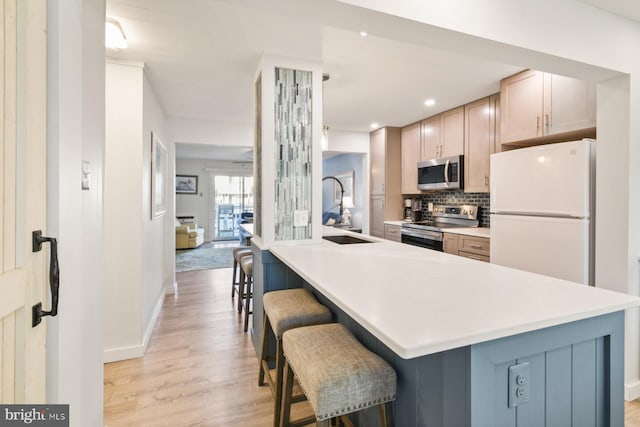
86, 175
518, 384
300, 218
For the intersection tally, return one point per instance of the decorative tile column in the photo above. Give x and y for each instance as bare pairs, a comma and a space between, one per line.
287, 170
288, 153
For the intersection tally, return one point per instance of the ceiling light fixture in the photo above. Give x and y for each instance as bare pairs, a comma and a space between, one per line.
114, 37
374, 125
430, 102
364, 33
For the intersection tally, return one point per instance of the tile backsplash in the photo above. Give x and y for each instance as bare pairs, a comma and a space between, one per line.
457, 198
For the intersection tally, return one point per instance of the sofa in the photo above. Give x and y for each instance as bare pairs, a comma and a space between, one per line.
189, 236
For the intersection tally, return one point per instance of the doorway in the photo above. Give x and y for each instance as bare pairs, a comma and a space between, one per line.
232, 200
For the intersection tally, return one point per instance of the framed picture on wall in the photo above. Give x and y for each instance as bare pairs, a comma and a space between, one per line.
186, 184
159, 167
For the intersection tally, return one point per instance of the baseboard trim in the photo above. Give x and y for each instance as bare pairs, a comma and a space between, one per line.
123, 353
632, 391
152, 322
171, 288
138, 350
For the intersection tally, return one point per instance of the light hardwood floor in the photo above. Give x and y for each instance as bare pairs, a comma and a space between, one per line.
200, 368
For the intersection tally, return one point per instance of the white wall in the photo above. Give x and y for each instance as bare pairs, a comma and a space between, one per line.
196, 131
123, 207
75, 132
158, 234
139, 261
348, 142
575, 39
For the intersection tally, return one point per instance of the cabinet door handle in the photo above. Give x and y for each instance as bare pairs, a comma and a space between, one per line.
486, 180
547, 122
474, 246
537, 122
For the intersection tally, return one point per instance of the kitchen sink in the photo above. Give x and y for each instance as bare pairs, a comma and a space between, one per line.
345, 240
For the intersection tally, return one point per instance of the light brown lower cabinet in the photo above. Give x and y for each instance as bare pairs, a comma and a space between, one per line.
467, 246
393, 232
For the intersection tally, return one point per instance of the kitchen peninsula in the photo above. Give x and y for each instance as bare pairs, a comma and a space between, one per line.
459, 332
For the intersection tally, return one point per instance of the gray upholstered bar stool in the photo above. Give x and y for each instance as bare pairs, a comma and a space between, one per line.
283, 310
245, 287
338, 375
238, 253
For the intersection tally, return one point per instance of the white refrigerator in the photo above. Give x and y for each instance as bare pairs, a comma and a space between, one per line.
541, 210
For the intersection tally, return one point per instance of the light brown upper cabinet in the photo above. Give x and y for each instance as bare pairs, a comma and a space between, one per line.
536, 104
481, 127
452, 132
386, 198
410, 139
443, 135
569, 104
430, 138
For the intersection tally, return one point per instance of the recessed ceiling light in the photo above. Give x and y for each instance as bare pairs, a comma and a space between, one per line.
430, 102
364, 33
374, 125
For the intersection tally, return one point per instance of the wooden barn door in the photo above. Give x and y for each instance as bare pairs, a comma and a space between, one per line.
23, 273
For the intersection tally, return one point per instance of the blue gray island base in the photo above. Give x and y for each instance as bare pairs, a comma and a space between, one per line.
570, 374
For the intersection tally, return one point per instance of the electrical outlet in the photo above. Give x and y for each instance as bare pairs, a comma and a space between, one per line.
300, 218
518, 384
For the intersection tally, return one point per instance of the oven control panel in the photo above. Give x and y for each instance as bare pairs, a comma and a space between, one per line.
461, 212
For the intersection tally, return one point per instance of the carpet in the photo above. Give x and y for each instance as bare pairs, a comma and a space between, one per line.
204, 257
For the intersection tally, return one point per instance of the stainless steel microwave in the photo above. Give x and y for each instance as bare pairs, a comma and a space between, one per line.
445, 173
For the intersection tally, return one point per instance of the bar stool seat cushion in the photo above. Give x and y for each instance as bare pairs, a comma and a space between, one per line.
293, 308
337, 373
241, 252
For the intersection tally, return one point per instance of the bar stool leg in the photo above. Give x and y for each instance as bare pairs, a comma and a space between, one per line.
248, 291
280, 362
285, 412
233, 280
241, 289
383, 415
264, 365
323, 423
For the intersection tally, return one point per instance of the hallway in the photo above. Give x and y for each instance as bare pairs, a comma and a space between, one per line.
200, 369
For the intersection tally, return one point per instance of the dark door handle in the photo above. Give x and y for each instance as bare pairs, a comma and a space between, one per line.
54, 278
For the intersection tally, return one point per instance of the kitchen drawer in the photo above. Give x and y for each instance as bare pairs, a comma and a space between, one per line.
392, 232
484, 258
475, 245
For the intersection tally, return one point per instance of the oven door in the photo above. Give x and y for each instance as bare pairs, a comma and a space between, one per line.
424, 239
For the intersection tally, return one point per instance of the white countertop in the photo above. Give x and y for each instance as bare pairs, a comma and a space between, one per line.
418, 302
398, 222
247, 227
471, 231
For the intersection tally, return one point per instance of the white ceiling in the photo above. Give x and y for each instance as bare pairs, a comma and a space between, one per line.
201, 56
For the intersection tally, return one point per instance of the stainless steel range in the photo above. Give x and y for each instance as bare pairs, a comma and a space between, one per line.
429, 234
